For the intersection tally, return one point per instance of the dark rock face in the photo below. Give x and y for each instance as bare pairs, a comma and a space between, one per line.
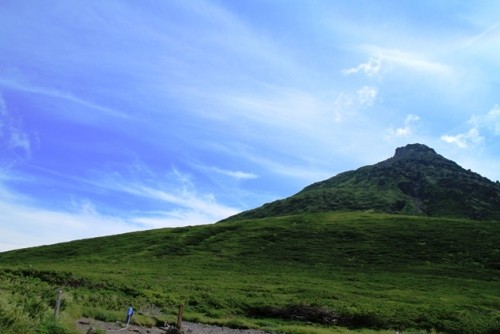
412, 150
415, 181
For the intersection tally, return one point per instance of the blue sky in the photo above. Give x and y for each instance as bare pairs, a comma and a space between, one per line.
120, 116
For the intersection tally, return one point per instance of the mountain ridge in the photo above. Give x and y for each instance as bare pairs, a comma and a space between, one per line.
415, 181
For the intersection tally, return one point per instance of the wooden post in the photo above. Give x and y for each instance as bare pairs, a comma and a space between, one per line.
58, 302
179, 317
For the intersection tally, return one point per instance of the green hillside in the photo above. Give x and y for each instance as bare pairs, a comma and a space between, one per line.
415, 181
408, 244
304, 273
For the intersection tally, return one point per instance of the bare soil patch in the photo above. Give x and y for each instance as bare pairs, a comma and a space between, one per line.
89, 326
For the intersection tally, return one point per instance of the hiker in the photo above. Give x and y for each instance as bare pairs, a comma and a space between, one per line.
130, 312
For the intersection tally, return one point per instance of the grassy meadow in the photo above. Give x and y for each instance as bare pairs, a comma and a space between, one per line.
305, 273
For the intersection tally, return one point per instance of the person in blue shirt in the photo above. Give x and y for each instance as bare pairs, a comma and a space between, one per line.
130, 313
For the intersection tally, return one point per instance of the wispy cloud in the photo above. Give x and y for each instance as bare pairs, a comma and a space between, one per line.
489, 35
383, 60
370, 69
181, 206
410, 60
464, 140
347, 104
406, 130
280, 106
239, 175
57, 94
205, 204
175, 196
484, 123
11, 132
293, 169
489, 121
25, 225
367, 95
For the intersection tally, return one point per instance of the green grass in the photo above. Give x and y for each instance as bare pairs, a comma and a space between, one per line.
309, 273
415, 181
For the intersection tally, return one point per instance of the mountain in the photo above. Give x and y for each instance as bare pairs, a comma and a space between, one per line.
415, 181
298, 269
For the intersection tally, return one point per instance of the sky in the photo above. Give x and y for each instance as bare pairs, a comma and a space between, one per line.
119, 116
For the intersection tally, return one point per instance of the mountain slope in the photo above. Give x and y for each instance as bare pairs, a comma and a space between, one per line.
415, 181
330, 239
368, 270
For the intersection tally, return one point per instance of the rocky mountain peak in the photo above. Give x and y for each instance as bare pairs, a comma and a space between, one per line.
412, 150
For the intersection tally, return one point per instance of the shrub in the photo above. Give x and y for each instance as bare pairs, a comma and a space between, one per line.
301, 312
102, 314
50, 326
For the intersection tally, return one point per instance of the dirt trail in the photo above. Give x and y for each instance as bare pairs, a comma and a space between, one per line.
84, 325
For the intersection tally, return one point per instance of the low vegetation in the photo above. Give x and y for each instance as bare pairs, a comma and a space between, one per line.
304, 273
415, 181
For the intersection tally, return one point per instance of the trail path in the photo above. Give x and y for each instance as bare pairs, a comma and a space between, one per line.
85, 324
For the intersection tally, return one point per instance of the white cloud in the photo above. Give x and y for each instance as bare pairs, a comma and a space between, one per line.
489, 121
346, 104
370, 69
406, 130
279, 106
24, 225
411, 118
290, 170
11, 131
174, 193
86, 208
464, 140
239, 175
411, 60
188, 200
485, 123
367, 95
342, 106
